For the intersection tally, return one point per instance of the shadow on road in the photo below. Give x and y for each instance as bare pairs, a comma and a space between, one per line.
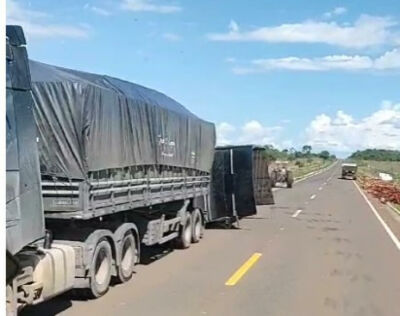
49, 308
154, 253
222, 225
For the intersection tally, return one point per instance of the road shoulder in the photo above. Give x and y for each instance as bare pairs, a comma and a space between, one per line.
391, 218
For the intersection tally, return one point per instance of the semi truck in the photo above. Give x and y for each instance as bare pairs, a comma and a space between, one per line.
349, 170
96, 168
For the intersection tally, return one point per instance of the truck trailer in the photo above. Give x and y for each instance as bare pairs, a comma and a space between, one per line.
96, 167
349, 170
239, 182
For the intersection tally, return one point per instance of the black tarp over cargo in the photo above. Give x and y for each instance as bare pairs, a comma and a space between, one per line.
90, 122
107, 145
238, 177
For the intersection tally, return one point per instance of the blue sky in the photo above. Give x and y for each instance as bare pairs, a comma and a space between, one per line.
288, 72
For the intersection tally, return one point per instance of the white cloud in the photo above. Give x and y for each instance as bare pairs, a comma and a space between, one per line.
97, 10
367, 31
224, 133
340, 133
252, 132
172, 37
388, 61
335, 12
233, 26
37, 24
343, 133
230, 60
148, 6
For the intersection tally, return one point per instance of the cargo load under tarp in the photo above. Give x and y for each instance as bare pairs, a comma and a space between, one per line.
90, 122
108, 145
240, 181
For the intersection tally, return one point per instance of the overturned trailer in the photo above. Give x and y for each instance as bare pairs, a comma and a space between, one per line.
240, 182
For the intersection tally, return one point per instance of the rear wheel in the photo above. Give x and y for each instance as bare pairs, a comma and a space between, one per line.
185, 236
289, 179
11, 308
273, 179
100, 269
128, 253
197, 226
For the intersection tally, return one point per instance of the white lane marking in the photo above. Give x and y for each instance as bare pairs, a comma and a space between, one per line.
312, 197
320, 188
314, 173
297, 213
385, 226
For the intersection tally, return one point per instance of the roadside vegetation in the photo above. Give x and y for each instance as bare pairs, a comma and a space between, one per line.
376, 154
371, 163
372, 168
301, 162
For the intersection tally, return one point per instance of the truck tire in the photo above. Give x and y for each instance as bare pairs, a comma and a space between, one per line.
197, 226
289, 179
100, 270
11, 308
185, 235
273, 179
128, 253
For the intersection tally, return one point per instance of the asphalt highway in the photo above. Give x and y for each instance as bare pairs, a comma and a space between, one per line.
320, 250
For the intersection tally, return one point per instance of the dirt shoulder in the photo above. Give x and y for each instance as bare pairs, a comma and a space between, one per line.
380, 193
390, 217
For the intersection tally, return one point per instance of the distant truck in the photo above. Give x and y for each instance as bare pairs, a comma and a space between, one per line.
349, 170
96, 167
281, 174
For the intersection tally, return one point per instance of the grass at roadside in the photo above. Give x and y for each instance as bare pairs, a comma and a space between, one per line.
303, 166
370, 168
397, 207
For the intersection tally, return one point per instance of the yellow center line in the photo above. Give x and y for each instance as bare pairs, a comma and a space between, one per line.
243, 269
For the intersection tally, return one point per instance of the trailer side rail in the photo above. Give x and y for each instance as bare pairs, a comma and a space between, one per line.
84, 200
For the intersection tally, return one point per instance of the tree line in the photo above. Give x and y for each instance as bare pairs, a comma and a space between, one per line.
291, 154
376, 154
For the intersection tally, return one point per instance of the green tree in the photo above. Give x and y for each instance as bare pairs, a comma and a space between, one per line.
306, 150
376, 154
324, 154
